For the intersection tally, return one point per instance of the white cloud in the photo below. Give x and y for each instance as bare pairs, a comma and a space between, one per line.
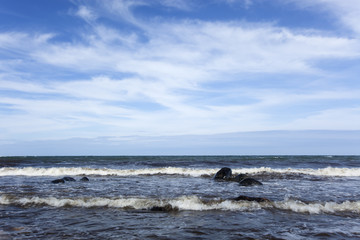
171, 71
179, 4
346, 12
20, 45
112, 104
246, 3
173, 51
337, 118
121, 9
86, 13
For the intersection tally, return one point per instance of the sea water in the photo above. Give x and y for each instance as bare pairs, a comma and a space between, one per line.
176, 197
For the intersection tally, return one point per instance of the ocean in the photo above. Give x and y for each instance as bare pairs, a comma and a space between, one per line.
177, 197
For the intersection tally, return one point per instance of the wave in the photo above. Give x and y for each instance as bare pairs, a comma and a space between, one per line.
195, 172
31, 171
328, 171
318, 207
185, 203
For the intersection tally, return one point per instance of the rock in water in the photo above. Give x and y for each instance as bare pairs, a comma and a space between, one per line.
240, 177
252, 199
84, 179
250, 182
69, 179
224, 174
166, 208
56, 181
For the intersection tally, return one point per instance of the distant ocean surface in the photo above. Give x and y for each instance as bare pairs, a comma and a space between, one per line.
176, 197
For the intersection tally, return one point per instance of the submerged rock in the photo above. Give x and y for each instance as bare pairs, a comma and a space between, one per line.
223, 174
69, 179
63, 180
84, 179
249, 182
166, 208
252, 199
56, 181
239, 177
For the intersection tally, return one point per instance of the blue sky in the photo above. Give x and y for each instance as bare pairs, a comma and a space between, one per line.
151, 70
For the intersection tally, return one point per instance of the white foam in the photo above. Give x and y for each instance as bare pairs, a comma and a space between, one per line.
328, 171
182, 203
196, 204
317, 208
195, 172
189, 203
136, 203
31, 171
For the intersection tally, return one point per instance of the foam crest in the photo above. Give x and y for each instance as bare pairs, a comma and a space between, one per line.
188, 203
328, 171
195, 172
192, 203
31, 171
318, 208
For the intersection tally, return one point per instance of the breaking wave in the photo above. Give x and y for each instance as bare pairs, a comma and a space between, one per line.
195, 172
186, 203
31, 171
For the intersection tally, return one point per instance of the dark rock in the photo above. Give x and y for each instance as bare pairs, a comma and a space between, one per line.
250, 182
223, 174
166, 208
56, 181
239, 177
84, 179
69, 179
252, 199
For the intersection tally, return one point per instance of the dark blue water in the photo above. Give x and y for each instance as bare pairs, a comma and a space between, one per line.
176, 197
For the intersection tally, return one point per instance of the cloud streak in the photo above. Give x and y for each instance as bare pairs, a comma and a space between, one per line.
346, 13
245, 143
181, 76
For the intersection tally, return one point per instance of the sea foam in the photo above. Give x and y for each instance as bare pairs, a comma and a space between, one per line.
195, 172
186, 203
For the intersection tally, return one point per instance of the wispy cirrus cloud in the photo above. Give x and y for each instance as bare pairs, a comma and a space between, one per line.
214, 47
86, 13
182, 76
347, 13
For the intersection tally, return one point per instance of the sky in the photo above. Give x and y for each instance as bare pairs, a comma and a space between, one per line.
159, 77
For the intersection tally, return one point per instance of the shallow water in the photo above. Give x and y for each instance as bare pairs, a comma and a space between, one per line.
311, 197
